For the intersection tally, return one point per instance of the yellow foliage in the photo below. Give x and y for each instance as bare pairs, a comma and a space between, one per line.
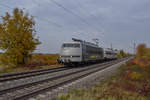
143, 56
135, 75
17, 38
143, 51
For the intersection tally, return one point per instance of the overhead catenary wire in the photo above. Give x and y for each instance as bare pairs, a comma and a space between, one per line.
34, 1
67, 10
41, 19
78, 27
87, 12
73, 13
3, 5
64, 8
46, 20
84, 10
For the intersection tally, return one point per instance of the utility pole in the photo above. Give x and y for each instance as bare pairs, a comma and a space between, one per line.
134, 48
111, 46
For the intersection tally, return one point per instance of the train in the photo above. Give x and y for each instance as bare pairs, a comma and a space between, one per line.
81, 52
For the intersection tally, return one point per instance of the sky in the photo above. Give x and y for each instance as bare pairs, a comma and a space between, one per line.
116, 22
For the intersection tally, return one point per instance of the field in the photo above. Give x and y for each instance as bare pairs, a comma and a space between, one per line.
37, 61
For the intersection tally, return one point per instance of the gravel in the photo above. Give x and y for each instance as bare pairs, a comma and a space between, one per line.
86, 82
25, 91
15, 83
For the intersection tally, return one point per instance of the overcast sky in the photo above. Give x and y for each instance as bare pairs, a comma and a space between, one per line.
120, 22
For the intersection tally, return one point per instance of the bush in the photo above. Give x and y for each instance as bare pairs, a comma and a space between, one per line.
122, 54
43, 59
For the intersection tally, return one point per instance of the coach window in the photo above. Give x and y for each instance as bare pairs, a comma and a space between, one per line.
76, 45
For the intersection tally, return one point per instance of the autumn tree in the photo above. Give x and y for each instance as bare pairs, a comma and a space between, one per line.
143, 51
17, 38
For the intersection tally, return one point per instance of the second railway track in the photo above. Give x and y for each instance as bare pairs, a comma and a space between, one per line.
19, 75
29, 89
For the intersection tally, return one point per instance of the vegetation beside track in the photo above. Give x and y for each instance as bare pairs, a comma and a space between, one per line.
37, 61
123, 54
131, 82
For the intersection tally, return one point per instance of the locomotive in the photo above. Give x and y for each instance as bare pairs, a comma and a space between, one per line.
80, 52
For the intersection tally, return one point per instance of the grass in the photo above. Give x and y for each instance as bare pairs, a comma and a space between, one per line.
37, 61
131, 82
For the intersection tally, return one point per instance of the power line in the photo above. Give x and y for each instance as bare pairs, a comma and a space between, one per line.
42, 19
73, 13
84, 9
69, 11
61, 6
3, 5
34, 1
48, 21
57, 5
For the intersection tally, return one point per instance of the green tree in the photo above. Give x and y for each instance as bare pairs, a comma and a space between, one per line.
121, 54
17, 38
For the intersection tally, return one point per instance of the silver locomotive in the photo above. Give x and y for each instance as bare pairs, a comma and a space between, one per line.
78, 51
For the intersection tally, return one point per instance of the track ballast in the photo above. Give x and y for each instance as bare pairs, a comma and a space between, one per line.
57, 79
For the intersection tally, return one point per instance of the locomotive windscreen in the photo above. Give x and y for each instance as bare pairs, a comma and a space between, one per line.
71, 45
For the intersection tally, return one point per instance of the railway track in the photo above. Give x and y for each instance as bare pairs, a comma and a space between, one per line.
29, 89
19, 75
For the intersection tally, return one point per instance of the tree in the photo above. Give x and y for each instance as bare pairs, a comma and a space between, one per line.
121, 54
143, 51
17, 37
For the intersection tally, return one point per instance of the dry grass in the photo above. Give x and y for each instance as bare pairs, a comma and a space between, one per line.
37, 61
142, 62
131, 82
43, 59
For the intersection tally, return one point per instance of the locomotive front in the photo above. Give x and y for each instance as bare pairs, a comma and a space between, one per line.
71, 53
